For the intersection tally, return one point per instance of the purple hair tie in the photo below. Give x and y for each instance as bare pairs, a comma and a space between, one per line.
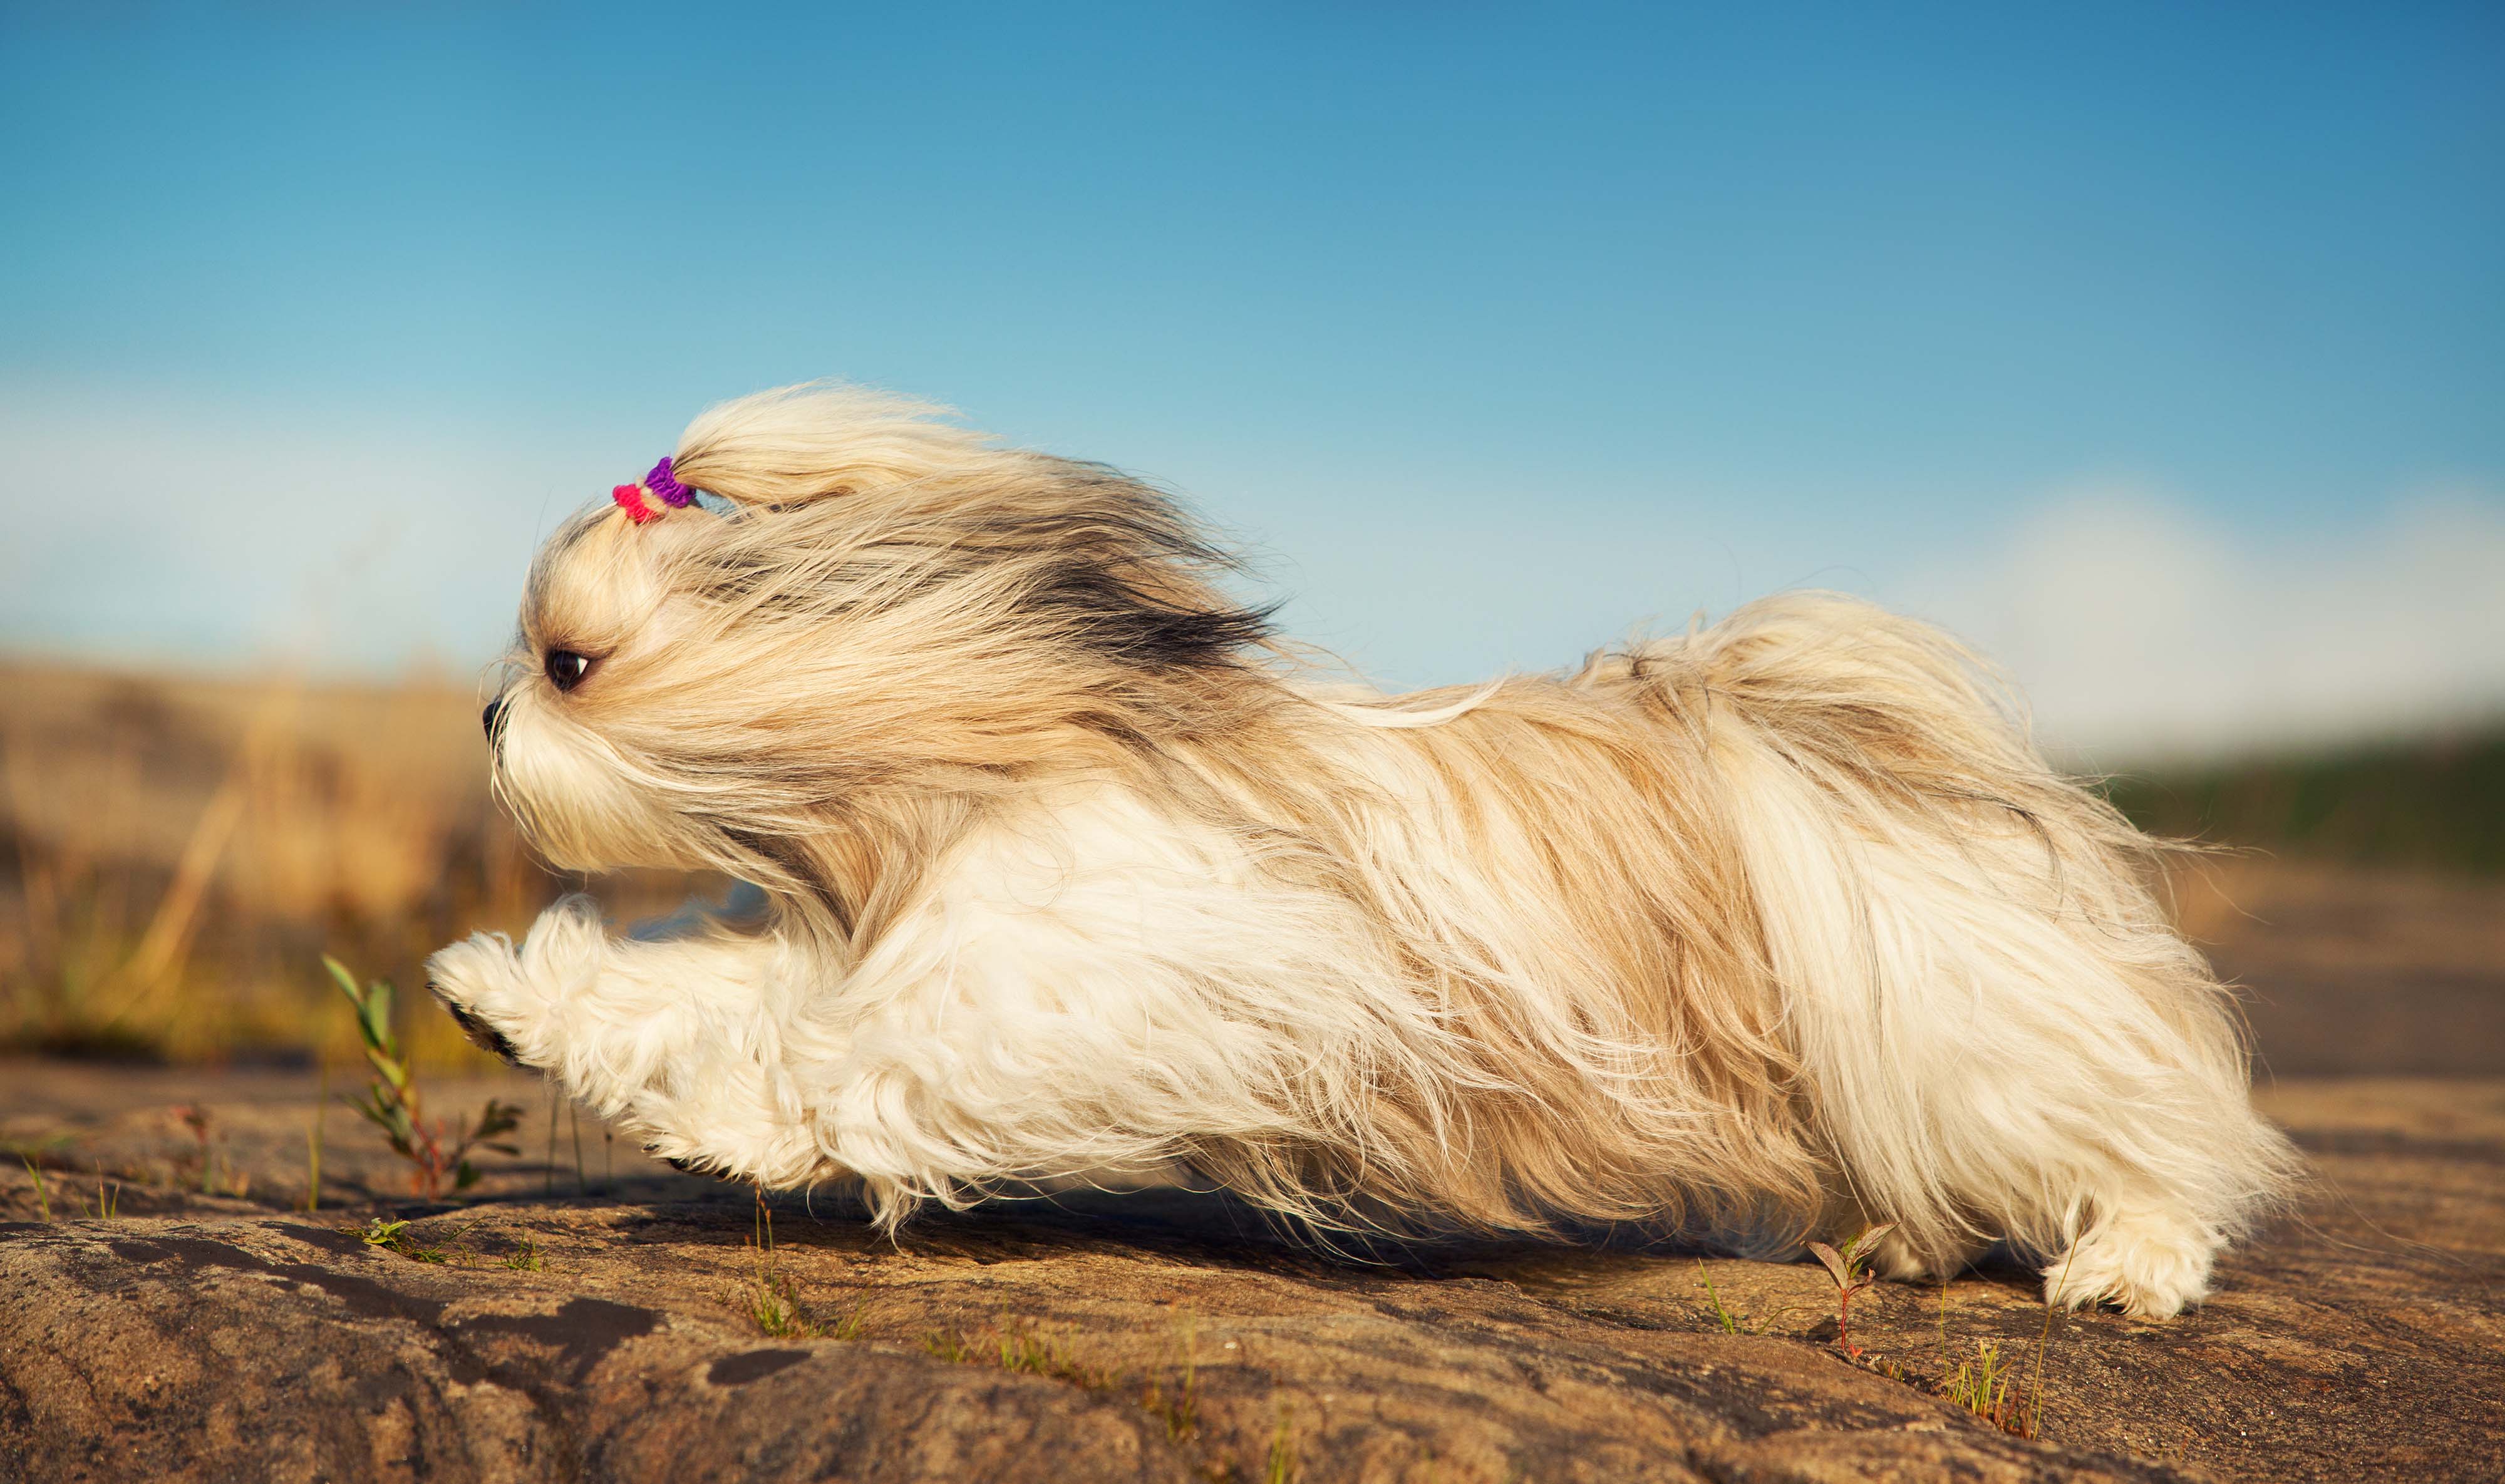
665, 484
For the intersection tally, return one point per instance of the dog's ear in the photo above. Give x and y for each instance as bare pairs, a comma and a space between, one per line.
881, 495
1115, 570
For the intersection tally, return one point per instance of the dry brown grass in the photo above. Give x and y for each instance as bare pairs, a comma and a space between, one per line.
176, 855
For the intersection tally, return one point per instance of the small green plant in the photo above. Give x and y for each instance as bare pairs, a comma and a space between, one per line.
1021, 1349
108, 1204
392, 1104
42, 1196
1733, 1324
313, 1144
776, 1309
393, 1236
1012, 1345
1179, 1408
1981, 1386
525, 1256
1987, 1386
2052, 1305
1282, 1467
1850, 1270
771, 1300
1730, 1325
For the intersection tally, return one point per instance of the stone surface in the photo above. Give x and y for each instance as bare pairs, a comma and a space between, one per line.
222, 1336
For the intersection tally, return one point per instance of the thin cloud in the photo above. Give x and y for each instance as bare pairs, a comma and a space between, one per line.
2139, 630
187, 534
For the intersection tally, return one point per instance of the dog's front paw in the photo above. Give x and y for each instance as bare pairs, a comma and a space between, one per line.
485, 1036
509, 999
476, 979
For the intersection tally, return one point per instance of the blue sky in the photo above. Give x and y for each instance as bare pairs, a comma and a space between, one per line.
1493, 331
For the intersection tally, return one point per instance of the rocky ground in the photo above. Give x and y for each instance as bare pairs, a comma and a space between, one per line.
591, 1315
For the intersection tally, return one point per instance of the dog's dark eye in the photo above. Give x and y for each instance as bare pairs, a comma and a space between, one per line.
566, 668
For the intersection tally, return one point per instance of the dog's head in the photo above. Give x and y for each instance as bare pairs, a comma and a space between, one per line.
858, 605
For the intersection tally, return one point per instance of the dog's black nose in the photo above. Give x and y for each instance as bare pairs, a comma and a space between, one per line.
488, 718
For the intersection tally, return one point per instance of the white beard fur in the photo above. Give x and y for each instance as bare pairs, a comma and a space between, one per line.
1763, 933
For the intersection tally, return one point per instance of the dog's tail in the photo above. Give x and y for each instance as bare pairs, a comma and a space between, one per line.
2000, 1029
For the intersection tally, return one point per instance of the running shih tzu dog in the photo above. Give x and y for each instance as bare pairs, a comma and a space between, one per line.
1072, 872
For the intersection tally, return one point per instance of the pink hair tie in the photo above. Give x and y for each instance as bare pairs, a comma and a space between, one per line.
630, 498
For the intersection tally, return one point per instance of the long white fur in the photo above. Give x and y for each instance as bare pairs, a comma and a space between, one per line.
1764, 932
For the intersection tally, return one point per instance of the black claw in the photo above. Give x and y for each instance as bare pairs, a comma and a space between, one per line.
485, 1036
686, 1166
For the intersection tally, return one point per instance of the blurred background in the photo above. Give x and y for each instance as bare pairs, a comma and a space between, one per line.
2160, 355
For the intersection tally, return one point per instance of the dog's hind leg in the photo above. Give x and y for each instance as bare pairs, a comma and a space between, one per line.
2001, 1034
682, 1042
